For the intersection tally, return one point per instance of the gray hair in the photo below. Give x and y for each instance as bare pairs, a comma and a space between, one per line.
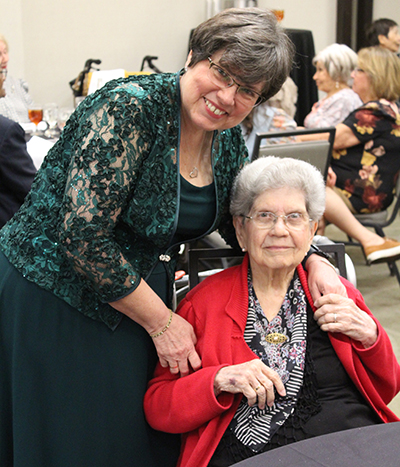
270, 173
338, 60
255, 47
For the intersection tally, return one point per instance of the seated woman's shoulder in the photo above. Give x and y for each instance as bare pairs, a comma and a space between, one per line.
218, 282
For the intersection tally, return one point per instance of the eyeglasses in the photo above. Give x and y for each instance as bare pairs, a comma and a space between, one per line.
221, 78
267, 220
359, 70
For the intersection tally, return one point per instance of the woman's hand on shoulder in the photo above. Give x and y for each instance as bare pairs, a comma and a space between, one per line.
255, 380
322, 278
339, 314
176, 347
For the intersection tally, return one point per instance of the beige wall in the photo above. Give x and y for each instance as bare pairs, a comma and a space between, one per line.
50, 40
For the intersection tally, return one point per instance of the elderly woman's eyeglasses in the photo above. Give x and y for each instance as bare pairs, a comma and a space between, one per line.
221, 78
359, 70
267, 220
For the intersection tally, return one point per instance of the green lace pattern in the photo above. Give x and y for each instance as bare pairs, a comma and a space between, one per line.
104, 204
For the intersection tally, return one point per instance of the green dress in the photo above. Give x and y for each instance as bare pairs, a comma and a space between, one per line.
103, 211
70, 390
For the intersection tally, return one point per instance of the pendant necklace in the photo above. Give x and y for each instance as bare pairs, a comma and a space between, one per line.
194, 172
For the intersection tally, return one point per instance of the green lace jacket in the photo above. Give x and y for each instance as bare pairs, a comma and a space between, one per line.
104, 205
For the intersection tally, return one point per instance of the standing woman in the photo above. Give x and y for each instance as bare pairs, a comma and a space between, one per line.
15, 105
87, 268
334, 65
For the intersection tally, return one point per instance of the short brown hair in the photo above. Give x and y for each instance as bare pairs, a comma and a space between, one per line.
255, 47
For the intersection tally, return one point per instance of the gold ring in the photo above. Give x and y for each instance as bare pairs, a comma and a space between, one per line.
173, 367
257, 388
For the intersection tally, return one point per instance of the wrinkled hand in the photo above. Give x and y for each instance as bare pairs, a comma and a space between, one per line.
322, 279
253, 379
331, 178
338, 314
175, 348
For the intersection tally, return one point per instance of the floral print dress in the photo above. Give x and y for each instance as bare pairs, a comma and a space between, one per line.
367, 172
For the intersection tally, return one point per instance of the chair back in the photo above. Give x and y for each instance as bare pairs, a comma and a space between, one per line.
318, 152
335, 250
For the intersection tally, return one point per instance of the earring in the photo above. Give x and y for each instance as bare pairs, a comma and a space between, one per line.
185, 69
337, 84
243, 249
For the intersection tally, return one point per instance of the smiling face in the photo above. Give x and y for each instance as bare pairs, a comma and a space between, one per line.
323, 79
3, 55
205, 105
279, 249
392, 41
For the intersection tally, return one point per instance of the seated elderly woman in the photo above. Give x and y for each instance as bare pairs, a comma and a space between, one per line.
366, 161
334, 65
17, 100
276, 367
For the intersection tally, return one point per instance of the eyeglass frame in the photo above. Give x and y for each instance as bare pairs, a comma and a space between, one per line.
359, 70
260, 98
275, 217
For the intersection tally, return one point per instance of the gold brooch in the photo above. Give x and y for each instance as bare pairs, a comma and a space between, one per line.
276, 338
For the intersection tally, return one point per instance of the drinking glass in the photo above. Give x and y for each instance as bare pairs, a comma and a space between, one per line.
50, 115
63, 116
280, 14
35, 113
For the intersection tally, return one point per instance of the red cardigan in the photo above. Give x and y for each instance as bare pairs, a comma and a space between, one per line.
217, 309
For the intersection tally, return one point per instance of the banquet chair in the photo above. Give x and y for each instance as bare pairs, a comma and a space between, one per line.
378, 221
318, 152
335, 250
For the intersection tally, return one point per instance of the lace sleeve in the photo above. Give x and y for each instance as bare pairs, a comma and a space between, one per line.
101, 178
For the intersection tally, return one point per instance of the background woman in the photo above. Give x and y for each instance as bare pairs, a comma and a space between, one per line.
334, 65
385, 33
15, 105
17, 170
366, 161
276, 367
88, 262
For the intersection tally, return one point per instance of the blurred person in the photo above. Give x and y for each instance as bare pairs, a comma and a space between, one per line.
334, 65
385, 33
366, 163
15, 105
277, 367
143, 165
17, 170
265, 118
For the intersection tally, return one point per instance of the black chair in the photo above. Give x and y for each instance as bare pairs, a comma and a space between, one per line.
335, 250
378, 221
317, 153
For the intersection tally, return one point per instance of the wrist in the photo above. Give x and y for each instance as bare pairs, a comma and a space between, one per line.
313, 254
164, 329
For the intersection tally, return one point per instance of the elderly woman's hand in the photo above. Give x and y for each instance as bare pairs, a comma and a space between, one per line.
253, 379
338, 314
322, 278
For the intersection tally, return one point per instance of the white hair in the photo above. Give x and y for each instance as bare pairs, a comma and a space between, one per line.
270, 173
338, 60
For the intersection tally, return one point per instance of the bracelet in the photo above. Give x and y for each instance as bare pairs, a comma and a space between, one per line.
165, 327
